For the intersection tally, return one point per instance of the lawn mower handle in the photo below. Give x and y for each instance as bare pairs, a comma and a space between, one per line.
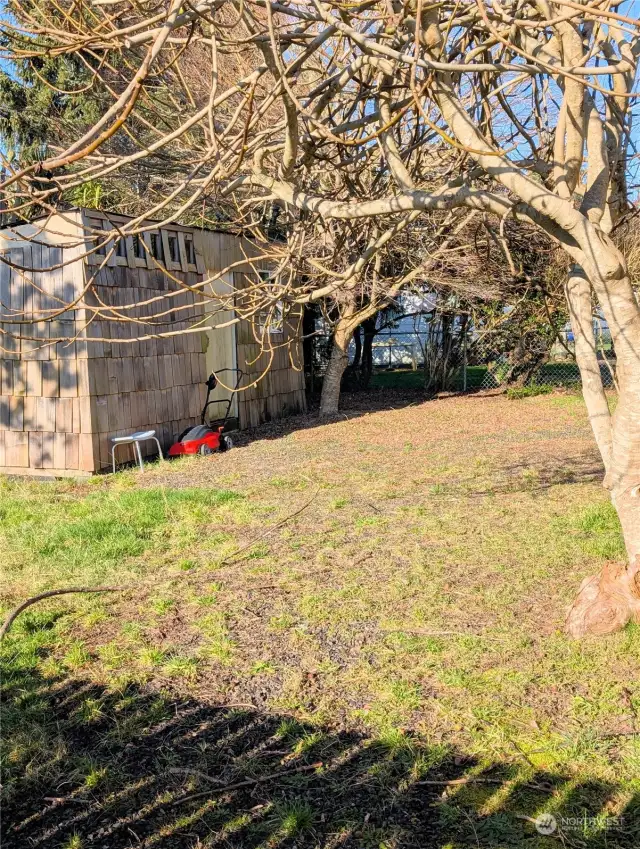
212, 382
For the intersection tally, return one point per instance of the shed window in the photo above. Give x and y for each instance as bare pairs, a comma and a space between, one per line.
138, 247
271, 319
190, 250
115, 249
156, 247
101, 247
174, 250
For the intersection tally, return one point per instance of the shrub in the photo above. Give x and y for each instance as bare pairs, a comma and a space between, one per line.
517, 392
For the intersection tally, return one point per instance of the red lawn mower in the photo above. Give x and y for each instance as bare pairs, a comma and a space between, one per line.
207, 438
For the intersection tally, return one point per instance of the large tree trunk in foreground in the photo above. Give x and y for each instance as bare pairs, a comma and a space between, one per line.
578, 294
330, 397
606, 602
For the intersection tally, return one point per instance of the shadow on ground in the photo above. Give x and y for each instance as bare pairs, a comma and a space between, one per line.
136, 768
353, 405
535, 476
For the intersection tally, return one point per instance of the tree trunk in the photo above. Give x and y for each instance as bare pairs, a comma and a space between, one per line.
330, 398
525, 367
578, 294
606, 602
369, 328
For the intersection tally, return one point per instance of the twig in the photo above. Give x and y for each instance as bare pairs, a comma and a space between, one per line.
270, 530
175, 770
248, 782
613, 734
425, 632
453, 782
25, 604
366, 556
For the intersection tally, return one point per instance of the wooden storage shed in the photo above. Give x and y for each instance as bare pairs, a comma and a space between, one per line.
61, 401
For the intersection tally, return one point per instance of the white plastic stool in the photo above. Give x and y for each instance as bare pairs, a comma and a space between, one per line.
134, 439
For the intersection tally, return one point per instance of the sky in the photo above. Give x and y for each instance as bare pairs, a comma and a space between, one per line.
627, 8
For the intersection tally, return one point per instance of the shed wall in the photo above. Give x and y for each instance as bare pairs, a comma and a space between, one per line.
274, 367
61, 401
154, 384
219, 251
41, 381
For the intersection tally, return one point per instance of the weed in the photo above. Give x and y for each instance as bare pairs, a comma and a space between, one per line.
293, 818
282, 622
151, 657
77, 655
95, 777
180, 667
91, 710
339, 503
163, 605
112, 655
515, 393
405, 694
262, 667
290, 729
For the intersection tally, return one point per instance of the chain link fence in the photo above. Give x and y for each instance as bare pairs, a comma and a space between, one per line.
558, 370
475, 364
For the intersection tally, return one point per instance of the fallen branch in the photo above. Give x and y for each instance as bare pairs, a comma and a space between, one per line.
248, 782
454, 782
270, 530
174, 770
11, 618
427, 632
610, 735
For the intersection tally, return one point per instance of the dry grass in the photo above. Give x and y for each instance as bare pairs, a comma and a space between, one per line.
417, 601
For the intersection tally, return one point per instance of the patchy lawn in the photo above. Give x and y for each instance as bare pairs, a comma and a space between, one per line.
407, 379
339, 635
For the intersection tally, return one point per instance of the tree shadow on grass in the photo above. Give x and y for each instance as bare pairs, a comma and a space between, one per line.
353, 405
133, 767
530, 476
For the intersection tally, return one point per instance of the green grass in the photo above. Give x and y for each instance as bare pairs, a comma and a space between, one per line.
398, 379
405, 626
515, 393
408, 379
292, 818
49, 530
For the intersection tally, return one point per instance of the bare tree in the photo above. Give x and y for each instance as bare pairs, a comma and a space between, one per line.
361, 119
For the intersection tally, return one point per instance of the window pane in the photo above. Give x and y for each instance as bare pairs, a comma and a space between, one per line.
98, 224
156, 247
271, 320
191, 254
138, 247
174, 253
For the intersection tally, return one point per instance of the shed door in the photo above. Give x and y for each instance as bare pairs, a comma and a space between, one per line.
221, 347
